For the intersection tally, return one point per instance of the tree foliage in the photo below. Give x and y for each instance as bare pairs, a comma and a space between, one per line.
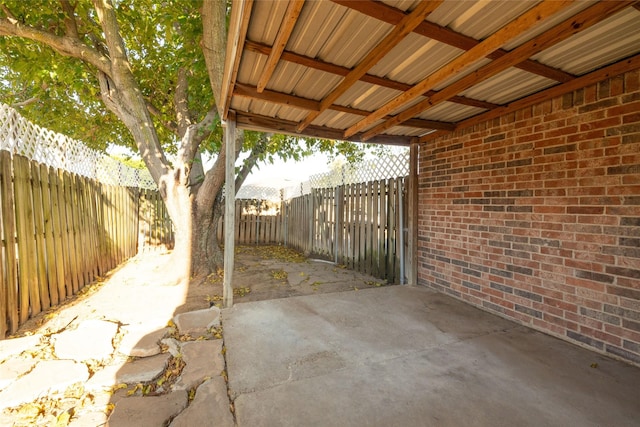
141, 74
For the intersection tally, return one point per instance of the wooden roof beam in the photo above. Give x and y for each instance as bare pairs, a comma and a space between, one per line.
401, 30
282, 38
248, 91
240, 15
583, 20
619, 68
328, 67
270, 124
514, 28
391, 15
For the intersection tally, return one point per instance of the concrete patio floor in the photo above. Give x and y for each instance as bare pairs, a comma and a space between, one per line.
402, 356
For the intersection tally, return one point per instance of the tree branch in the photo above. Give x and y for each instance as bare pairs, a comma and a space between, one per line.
169, 124
9, 14
66, 46
194, 135
250, 162
25, 102
132, 107
180, 102
71, 28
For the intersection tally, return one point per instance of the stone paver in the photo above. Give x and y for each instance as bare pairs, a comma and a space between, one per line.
12, 369
106, 377
46, 377
93, 339
94, 418
139, 341
203, 361
143, 370
14, 346
148, 411
173, 346
211, 403
197, 322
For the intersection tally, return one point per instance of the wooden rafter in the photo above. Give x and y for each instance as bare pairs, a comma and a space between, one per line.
619, 68
558, 33
516, 27
248, 91
391, 15
327, 67
404, 28
237, 34
284, 32
256, 121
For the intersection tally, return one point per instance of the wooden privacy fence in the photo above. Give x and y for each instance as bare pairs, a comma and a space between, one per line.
59, 232
358, 225
257, 222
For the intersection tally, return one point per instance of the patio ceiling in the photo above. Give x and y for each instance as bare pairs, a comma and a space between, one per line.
403, 71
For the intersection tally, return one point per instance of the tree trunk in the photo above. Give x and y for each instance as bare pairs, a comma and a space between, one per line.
207, 257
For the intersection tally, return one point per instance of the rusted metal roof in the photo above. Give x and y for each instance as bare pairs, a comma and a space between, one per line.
401, 71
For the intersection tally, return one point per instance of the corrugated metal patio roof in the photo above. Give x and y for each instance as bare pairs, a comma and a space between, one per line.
403, 71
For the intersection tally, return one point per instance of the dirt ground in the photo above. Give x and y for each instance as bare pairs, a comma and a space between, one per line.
261, 273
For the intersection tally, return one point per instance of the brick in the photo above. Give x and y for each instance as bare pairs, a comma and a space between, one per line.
626, 272
598, 315
631, 139
632, 200
622, 251
627, 355
630, 324
605, 103
591, 275
502, 288
622, 312
493, 138
585, 340
521, 270
471, 285
529, 311
564, 305
528, 295
627, 241
624, 292
631, 346
585, 210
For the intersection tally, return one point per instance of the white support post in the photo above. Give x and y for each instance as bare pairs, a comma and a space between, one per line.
229, 210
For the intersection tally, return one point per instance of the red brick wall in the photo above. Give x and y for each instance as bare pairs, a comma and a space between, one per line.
535, 216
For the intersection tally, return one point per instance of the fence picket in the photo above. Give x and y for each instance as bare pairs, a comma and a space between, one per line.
57, 234
50, 249
38, 218
28, 281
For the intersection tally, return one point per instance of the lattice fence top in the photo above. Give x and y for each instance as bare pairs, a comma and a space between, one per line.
391, 166
385, 167
20, 136
255, 192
